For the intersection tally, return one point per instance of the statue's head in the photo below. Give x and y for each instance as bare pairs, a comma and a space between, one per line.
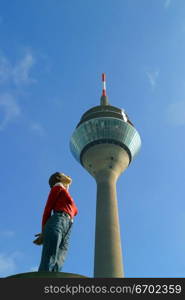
59, 177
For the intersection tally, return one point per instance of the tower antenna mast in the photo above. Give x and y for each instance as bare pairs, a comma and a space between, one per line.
104, 98
104, 84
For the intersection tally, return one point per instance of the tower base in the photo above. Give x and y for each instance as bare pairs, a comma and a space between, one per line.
46, 275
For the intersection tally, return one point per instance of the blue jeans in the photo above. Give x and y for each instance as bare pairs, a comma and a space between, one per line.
55, 242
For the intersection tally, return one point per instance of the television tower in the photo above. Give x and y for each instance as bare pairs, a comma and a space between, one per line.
104, 143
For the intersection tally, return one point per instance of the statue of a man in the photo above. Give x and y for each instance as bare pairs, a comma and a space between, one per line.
56, 227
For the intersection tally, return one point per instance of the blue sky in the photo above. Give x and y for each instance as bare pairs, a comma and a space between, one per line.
52, 54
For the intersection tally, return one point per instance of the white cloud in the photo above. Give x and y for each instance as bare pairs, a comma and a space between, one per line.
7, 264
10, 108
7, 233
5, 70
175, 113
37, 128
13, 78
18, 74
21, 71
152, 77
10, 111
34, 269
167, 3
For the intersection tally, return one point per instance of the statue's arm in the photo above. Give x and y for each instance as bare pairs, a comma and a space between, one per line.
47, 212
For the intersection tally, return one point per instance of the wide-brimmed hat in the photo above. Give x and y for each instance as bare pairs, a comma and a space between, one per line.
59, 177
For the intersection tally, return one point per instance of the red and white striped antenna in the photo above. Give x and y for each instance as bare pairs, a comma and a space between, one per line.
104, 84
104, 98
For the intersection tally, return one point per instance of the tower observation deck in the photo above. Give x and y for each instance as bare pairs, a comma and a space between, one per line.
105, 142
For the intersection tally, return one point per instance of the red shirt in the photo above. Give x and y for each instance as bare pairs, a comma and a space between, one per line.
59, 199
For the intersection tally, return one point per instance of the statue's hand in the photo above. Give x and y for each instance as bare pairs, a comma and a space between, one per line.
38, 241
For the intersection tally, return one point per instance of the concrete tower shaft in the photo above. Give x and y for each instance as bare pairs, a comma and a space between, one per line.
105, 162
